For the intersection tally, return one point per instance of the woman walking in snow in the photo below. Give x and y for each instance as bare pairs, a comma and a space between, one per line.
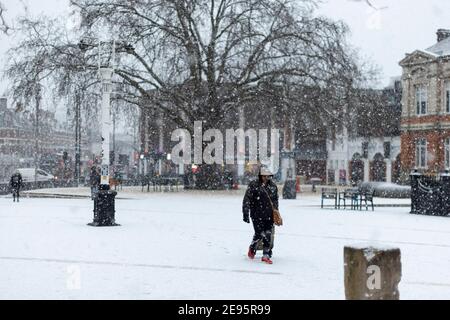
259, 201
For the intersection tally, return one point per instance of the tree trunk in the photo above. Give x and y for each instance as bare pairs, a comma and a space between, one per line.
209, 176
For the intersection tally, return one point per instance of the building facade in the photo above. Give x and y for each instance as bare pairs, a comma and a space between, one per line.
359, 159
425, 125
367, 148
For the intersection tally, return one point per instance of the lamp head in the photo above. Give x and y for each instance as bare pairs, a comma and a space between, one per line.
129, 49
106, 74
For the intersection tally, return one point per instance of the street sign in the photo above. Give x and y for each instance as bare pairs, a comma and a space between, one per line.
105, 175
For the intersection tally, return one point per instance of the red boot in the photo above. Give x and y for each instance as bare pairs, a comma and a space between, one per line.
267, 260
251, 253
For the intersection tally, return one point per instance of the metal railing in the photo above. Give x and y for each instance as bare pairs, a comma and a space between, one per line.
430, 195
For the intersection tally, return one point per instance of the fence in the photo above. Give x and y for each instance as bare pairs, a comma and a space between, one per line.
158, 183
430, 195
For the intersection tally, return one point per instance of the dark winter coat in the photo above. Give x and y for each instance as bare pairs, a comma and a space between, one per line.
94, 178
16, 181
256, 201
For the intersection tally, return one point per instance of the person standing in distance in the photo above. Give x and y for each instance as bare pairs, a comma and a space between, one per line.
94, 180
16, 183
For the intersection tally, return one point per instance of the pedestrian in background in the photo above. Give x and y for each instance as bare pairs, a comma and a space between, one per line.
94, 180
16, 183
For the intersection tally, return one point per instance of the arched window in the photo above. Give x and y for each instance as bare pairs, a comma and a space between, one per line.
378, 168
357, 169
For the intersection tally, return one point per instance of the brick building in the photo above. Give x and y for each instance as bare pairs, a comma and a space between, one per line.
18, 141
425, 125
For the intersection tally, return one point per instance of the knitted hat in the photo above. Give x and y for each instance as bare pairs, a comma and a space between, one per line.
265, 172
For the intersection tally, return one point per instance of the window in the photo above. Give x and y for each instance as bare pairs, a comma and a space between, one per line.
421, 153
447, 96
42, 173
421, 100
447, 153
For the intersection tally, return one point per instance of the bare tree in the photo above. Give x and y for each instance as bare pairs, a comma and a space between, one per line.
4, 26
193, 60
370, 4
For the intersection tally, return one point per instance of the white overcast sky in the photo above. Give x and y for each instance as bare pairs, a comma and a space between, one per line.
384, 36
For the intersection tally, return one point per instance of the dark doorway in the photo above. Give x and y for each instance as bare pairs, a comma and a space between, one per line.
378, 168
356, 169
396, 170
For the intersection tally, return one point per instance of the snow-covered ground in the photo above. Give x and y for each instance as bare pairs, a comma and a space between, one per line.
192, 245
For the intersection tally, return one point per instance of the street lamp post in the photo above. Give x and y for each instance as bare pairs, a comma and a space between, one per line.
104, 203
36, 137
113, 160
77, 138
106, 77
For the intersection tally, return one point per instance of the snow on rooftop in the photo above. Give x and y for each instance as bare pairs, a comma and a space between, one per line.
441, 48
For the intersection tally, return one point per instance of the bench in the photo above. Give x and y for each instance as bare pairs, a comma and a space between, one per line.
160, 183
367, 197
330, 193
353, 195
145, 181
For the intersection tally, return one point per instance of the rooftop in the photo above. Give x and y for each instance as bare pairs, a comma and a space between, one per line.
441, 48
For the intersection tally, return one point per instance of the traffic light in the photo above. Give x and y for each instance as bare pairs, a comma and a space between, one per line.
65, 156
111, 157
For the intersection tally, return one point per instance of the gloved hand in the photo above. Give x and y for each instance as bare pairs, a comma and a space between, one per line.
246, 219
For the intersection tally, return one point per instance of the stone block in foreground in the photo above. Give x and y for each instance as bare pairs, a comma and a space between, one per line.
372, 273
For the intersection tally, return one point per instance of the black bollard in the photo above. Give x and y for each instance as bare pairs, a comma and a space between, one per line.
415, 197
104, 209
290, 190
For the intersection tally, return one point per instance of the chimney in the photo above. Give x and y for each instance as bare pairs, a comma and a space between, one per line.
442, 34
